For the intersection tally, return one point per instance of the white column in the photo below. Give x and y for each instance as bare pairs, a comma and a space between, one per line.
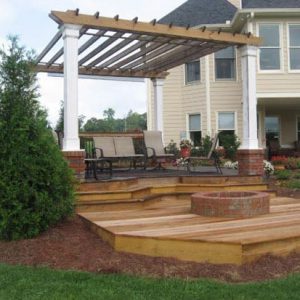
250, 136
71, 137
207, 96
158, 104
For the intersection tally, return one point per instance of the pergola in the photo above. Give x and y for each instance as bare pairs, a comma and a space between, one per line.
101, 46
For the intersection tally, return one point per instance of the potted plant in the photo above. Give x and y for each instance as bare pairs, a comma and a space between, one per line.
185, 148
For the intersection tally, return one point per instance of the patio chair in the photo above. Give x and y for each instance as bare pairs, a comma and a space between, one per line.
105, 147
211, 156
125, 150
155, 149
96, 163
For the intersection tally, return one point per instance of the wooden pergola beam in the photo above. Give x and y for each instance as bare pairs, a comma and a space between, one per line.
103, 72
70, 17
113, 50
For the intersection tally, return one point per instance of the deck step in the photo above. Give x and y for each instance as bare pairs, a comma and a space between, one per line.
121, 195
168, 229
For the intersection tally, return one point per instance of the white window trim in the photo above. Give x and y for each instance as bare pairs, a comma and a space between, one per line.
215, 79
195, 82
288, 46
281, 52
187, 123
235, 120
279, 120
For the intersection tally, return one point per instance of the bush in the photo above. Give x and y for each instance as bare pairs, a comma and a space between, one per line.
206, 145
230, 143
36, 185
172, 149
283, 174
293, 184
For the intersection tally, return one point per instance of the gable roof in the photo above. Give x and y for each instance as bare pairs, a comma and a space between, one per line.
197, 12
271, 3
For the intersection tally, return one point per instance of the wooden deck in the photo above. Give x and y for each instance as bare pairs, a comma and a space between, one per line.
165, 227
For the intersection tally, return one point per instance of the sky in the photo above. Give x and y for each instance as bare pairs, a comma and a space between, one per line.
29, 20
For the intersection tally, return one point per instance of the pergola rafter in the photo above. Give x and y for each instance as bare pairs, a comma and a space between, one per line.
132, 48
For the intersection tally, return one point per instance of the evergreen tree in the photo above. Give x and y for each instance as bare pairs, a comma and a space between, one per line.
36, 185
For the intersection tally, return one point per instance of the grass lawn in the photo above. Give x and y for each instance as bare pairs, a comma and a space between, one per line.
18, 282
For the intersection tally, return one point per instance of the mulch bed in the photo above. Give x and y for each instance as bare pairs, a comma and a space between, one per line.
72, 246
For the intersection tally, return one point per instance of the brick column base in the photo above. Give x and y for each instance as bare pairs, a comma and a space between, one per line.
76, 162
250, 162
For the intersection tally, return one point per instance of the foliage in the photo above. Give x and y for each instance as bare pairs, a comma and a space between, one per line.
18, 282
268, 168
293, 184
292, 163
185, 144
283, 174
231, 165
172, 149
60, 122
206, 145
230, 143
132, 122
297, 175
36, 185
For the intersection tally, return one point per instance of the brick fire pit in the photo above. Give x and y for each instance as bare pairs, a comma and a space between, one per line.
230, 204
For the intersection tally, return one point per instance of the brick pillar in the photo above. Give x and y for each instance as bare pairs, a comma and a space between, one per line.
76, 162
250, 162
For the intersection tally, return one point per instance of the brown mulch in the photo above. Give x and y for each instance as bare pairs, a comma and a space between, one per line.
72, 246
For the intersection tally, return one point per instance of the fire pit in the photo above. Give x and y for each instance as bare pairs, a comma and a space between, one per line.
230, 204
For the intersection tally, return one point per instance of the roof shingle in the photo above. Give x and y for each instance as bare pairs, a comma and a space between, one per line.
197, 12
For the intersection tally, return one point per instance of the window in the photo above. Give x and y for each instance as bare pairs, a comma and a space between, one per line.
192, 71
272, 129
195, 129
294, 45
270, 49
226, 124
225, 63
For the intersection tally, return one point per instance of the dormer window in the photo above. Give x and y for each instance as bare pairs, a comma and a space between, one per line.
270, 49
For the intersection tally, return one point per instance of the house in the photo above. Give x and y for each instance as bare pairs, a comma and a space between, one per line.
205, 96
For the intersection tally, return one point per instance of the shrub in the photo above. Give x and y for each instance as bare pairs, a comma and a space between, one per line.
36, 185
293, 184
292, 163
172, 149
283, 174
297, 175
230, 144
206, 144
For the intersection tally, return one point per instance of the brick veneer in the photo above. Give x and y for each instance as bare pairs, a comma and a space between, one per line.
251, 162
235, 204
76, 162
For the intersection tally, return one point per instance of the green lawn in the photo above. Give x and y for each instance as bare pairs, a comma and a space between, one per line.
42, 283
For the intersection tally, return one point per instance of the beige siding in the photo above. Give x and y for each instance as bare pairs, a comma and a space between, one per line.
181, 99
226, 95
282, 81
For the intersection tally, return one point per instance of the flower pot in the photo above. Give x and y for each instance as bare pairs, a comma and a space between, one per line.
185, 152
